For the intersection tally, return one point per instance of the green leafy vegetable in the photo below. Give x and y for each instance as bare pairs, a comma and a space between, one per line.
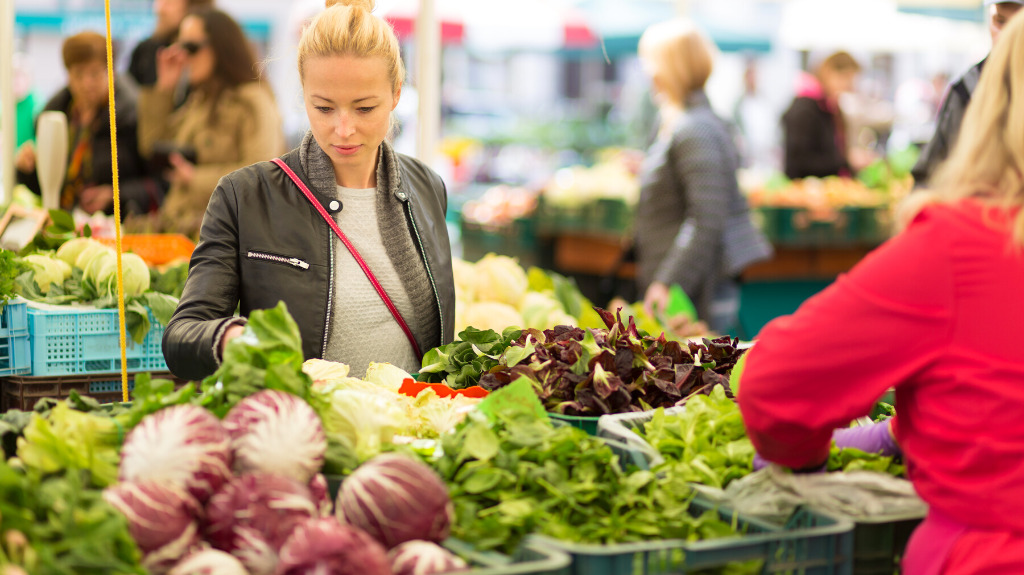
588, 372
268, 355
461, 363
70, 439
519, 474
707, 443
10, 268
58, 525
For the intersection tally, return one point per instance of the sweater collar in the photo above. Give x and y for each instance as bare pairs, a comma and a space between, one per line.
318, 167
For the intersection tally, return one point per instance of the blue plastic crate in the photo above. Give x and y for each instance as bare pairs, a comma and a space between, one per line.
70, 341
15, 348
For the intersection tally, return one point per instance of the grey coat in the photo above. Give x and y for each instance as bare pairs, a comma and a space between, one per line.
693, 225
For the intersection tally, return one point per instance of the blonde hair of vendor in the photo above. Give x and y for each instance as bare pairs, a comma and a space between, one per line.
987, 161
347, 28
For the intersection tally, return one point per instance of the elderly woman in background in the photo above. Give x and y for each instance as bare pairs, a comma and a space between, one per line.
695, 228
230, 119
88, 182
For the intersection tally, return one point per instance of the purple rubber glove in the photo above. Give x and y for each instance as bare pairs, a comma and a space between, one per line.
874, 438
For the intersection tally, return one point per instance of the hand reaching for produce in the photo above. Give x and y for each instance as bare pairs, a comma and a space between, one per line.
96, 199
656, 299
25, 160
230, 334
874, 438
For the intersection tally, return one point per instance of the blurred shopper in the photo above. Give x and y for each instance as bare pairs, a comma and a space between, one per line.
383, 294
694, 226
959, 95
229, 120
936, 313
169, 14
814, 129
757, 121
88, 181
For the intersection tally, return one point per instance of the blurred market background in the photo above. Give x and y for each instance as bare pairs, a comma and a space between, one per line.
536, 113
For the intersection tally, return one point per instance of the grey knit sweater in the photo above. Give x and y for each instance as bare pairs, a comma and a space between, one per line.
397, 240
693, 225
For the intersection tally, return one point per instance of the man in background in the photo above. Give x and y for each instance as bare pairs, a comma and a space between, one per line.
952, 112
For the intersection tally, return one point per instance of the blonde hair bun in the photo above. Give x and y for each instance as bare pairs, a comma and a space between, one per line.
364, 4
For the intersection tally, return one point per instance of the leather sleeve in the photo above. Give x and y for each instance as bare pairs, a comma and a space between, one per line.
211, 291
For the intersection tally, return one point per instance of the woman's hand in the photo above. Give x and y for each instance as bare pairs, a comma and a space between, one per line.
25, 159
230, 334
96, 199
656, 299
181, 171
170, 65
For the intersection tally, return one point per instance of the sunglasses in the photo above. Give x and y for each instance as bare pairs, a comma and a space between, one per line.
192, 47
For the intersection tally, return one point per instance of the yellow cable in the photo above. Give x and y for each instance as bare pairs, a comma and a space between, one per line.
117, 207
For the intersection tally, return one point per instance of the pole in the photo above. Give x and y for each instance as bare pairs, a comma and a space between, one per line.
8, 119
428, 81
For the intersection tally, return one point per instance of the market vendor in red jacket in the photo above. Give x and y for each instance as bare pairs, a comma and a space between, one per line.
935, 313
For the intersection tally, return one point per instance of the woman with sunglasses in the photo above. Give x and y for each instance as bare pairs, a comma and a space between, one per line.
229, 120
348, 233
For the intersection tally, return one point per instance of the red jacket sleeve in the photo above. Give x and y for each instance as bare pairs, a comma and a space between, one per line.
827, 364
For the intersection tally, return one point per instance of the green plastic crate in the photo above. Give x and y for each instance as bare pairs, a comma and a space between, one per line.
810, 544
531, 559
878, 544
587, 423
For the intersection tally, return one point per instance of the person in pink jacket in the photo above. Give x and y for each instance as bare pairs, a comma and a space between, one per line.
937, 313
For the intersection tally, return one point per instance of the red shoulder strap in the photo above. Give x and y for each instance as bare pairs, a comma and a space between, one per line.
355, 254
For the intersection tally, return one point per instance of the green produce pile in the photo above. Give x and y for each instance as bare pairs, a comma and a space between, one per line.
83, 270
519, 474
706, 443
59, 524
461, 363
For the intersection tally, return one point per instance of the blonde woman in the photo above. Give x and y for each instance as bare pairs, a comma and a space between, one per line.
936, 312
694, 226
274, 230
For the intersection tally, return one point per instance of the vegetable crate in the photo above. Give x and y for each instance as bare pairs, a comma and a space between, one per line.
878, 543
69, 341
156, 249
15, 348
23, 392
530, 559
809, 544
517, 240
587, 423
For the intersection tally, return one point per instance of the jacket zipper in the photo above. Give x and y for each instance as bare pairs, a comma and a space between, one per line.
294, 262
426, 262
330, 294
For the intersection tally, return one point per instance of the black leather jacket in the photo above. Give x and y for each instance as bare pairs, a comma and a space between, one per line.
259, 209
